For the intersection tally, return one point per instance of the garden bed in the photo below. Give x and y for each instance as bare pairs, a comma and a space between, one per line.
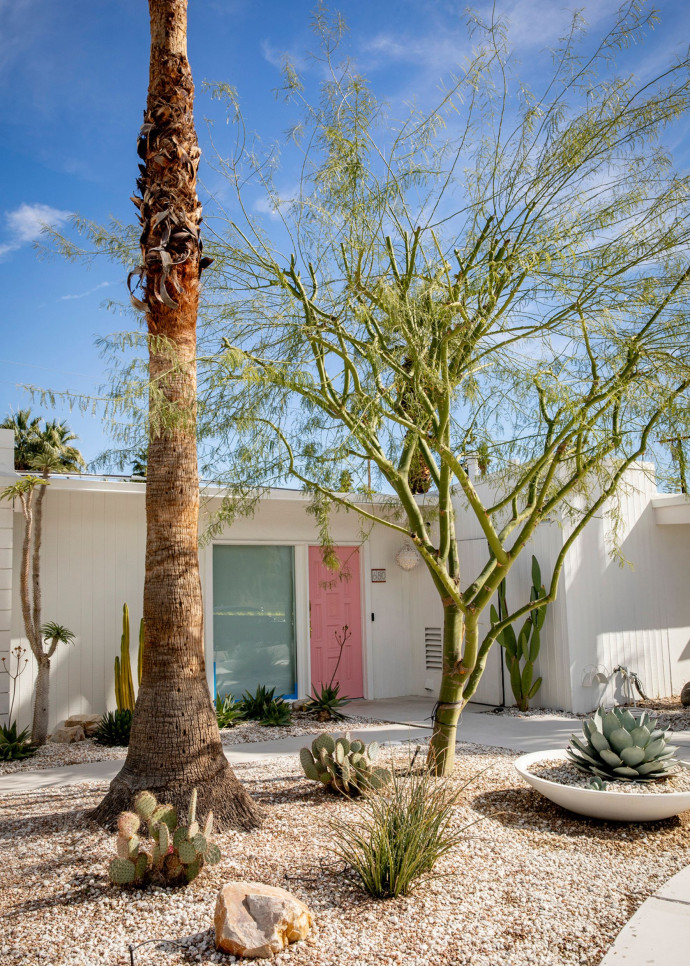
53, 755
530, 885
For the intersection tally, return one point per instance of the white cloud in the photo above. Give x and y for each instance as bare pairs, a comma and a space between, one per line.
82, 295
26, 222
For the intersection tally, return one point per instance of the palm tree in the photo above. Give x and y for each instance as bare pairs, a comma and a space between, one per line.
175, 743
27, 430
33, 443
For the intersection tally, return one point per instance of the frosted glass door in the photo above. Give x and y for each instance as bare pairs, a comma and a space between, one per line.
254, 619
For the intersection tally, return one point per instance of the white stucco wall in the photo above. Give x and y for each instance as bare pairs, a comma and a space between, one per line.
93, 561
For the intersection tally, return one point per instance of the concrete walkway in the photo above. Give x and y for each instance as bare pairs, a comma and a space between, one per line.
659, 932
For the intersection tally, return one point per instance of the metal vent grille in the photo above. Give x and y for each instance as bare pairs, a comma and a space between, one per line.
433, 648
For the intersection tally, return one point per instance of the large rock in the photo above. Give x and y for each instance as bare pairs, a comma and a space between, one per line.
89, 722
66, 736
685, 695
258, 921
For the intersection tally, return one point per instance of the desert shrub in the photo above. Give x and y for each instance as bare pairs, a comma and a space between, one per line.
326, 703
401, 832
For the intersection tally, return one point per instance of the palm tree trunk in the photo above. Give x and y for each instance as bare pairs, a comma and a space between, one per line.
175, 743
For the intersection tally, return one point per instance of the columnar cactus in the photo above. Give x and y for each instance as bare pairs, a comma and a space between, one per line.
177, 852
521, 651
618, 746
343, 765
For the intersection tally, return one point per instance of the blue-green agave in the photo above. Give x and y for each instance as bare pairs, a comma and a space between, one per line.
618, 746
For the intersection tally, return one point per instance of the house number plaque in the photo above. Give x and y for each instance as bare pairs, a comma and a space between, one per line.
378, 576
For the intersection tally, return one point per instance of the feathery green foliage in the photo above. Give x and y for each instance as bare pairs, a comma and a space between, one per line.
502, 277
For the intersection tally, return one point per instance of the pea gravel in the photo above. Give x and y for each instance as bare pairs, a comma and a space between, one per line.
530, 885
558, 770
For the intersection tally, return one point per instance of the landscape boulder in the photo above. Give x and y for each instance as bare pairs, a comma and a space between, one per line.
89, 722
66, 736
257, 921
685, 695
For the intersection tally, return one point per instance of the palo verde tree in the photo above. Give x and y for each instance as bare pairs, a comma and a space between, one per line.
505, 275
175, 744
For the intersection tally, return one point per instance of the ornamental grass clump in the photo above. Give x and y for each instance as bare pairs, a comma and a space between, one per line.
402, 831
618, 746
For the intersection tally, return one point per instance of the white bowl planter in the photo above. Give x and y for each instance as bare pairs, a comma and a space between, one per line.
612, 806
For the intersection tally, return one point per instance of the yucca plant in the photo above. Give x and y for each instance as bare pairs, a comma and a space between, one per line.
13, 746
228, 711
114, 728
277, 714
402, 831
618, 746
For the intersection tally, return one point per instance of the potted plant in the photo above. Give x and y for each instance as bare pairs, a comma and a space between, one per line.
622, 769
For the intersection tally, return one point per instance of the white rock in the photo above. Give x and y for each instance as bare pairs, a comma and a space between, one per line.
258, 921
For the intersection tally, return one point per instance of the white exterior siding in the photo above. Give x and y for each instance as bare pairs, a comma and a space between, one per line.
92, 561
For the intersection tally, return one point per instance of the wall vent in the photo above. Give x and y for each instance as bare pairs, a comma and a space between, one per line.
433, 648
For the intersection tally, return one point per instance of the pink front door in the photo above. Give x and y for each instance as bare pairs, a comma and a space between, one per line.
334, 601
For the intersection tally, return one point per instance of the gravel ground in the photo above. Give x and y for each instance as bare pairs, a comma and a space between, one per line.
668, 711
53, 755
530, 885
557, 770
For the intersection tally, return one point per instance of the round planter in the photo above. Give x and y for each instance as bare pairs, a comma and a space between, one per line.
612, 806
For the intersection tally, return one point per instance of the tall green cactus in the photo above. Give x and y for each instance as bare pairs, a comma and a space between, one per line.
124, 686
522, 651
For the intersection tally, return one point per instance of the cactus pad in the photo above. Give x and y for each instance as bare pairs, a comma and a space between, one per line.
122, 871
145, 805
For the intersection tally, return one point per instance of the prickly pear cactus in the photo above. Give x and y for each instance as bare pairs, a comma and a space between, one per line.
175, 854
343, 765
617, 746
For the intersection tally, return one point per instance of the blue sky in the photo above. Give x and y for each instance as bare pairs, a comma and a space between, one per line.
73, 77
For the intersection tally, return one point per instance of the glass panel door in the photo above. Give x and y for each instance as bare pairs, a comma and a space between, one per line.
254, 619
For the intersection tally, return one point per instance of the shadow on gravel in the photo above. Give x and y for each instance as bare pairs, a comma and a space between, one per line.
526, 810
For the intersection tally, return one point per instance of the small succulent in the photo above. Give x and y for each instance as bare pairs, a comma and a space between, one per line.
114, 728
176, 854
326, 703
343, 765
597, 785
228, 711
620, 747
278, 713
13, 746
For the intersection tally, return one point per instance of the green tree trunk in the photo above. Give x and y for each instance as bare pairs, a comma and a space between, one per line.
458, 636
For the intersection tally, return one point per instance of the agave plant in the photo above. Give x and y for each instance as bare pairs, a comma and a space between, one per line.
278, 714
618, 746
15, 746
228, 711
114, 728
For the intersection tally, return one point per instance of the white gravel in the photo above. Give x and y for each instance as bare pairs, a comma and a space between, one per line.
563, 772
54, 755
530, 885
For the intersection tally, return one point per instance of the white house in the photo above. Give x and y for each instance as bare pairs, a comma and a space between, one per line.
274, 616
